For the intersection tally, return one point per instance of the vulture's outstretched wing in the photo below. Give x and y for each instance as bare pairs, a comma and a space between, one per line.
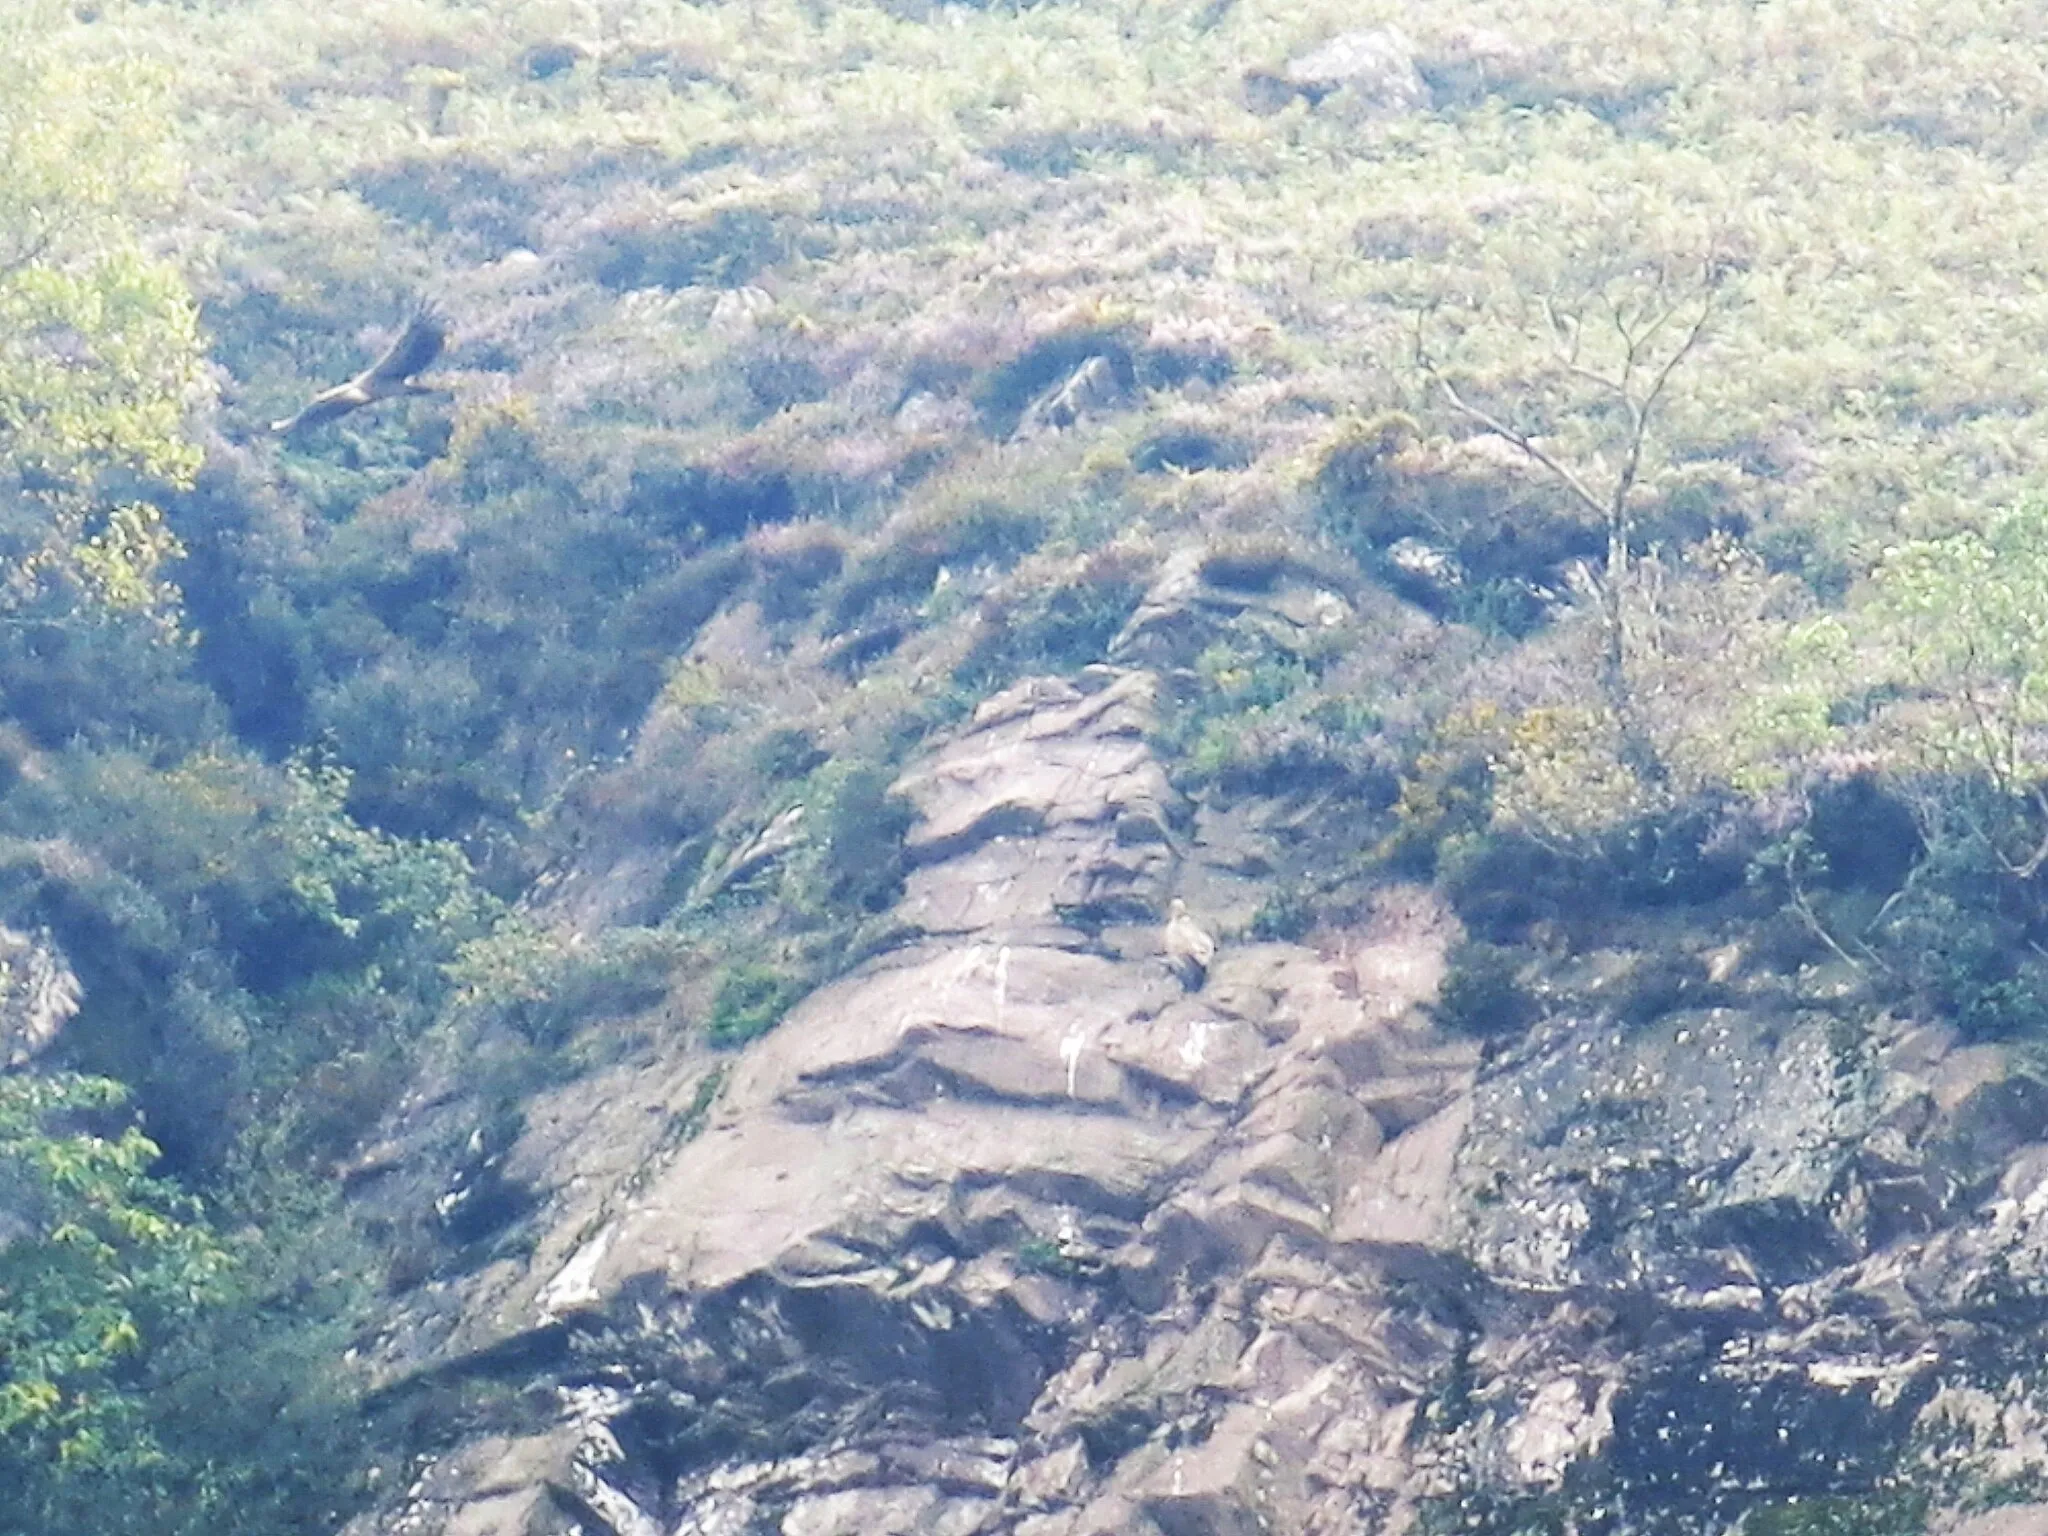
325, 406
412, 353
392, 374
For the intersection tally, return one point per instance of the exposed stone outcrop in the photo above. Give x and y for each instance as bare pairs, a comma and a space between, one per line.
39, 995
1007, 1230
1745, 1247
1016, 1228
1093, 388
1376, 65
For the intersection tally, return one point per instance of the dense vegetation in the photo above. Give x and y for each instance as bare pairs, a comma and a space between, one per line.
1660, 383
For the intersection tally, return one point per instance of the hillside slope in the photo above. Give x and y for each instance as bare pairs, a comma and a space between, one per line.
631, 893
1014, 1227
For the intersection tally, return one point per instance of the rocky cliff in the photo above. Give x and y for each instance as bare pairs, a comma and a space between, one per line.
1020, 1226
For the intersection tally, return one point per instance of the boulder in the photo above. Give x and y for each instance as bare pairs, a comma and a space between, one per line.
1374, 66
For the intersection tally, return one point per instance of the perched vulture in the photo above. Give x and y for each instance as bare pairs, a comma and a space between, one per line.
1188, 948
392, 374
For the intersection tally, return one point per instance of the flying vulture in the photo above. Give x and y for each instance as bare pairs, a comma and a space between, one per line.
392, 374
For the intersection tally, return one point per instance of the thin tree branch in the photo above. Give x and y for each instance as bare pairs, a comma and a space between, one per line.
1692, 339
1492, 423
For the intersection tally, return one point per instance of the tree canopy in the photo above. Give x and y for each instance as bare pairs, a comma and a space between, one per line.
99, 341
94, 1253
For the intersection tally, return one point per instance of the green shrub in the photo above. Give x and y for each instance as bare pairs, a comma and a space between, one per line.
626, 971
794, 561
1190, 449
724, 249
787, 752
1042, 1256
1238, 720
496, 452
1250, 564
462, 191
1878, 1514
1058, 629
259, 1426
1500, 881
1284, 915
239, 934
1962, 937
548, 989
102, 1263
852, 866
751, 1000
906, 565
1660, 983
1482, 992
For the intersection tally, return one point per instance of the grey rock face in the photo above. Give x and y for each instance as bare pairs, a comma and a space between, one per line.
1375, 65
1091, 389
1743, 1249
39, 994
1010, 1231
1007, 1230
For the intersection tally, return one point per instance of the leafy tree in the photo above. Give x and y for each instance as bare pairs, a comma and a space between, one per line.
1965, 620
251, 952
99, 342
367, 884
153, 1383
97, 1261
1934, 685
1950, 650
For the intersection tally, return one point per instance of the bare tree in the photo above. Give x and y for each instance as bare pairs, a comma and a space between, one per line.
1649, 335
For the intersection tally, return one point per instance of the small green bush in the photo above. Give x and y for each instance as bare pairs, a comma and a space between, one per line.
1250, 564
1058, 630
1284, 915
1660, 983
1482, 992
547, 990
863, 830
751, 1001
1241, 719
905, 567
1882, 1514
787, 752
1190, 450
724, 249
794, 561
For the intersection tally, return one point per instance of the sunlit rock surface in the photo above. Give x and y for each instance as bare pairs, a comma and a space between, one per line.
39, 995
1008, 1231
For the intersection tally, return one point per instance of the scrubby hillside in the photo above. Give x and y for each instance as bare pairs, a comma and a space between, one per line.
584, 951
